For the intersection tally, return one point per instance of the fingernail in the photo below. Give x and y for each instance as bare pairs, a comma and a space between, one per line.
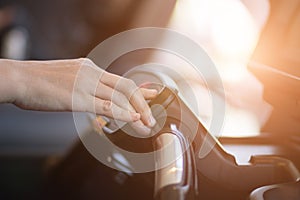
154, 92
151, 121
135, 116
141, 129
145, 85
145, 130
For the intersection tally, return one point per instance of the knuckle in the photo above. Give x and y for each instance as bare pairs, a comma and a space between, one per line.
145, 110
83, 61
131, 84
103, 74
117, 96
131, 87
106, 105
87, 62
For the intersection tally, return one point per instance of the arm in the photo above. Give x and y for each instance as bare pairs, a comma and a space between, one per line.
8, 81
73, 85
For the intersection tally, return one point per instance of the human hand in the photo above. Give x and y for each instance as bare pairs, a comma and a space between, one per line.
79, 85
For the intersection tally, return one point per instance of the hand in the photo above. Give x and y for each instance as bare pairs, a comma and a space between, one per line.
79, 85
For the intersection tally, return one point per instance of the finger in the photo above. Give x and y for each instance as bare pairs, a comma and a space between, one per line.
110, 79
132, 92
149, 93
108, 93
146, 84
140, 128
137, 100
109, 109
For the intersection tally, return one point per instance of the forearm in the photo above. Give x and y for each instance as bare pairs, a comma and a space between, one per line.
9, 80
74, 85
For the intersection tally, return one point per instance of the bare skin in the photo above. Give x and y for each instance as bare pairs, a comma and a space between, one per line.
74, 85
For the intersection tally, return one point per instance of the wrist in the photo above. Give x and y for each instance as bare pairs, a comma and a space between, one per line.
10, 80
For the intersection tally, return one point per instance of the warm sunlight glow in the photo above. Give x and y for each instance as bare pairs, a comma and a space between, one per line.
228, 30
225, 28
233, 30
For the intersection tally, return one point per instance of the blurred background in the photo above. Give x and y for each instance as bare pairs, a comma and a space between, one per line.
229, 30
